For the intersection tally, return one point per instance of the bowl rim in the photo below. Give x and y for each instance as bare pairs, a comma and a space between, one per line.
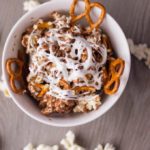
81, 122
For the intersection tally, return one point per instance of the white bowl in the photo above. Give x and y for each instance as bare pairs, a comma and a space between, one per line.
12, 45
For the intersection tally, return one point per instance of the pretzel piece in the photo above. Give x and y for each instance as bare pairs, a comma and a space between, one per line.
79, 89
43, 89
112, 86
115, 71
88, 7
64, 84
117, 67
75, 18
15, 75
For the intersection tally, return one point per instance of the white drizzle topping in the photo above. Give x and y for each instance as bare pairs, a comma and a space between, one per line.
66, 67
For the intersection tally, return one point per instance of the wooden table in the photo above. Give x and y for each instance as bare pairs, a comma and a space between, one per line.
127, 124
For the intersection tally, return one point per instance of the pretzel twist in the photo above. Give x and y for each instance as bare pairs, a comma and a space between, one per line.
88, 7
15, 75
79, 89
115, 69
64, 84
43, 89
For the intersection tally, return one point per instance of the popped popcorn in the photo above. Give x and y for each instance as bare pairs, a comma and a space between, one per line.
108, 146
92, 104
73, 88
28, 5
46, 147
69, 142
29, 147
140, 51
41, 147
3, 87
99, 147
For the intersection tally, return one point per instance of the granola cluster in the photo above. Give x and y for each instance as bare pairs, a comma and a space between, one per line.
66, 66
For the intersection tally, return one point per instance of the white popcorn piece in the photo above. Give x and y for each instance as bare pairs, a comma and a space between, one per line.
91, 103
3, 87
71, 137
109, 146
69, 142
29, 147
140, 51
147, 60
46, 147
99, 147
28, 5
94, 104
41, 147
76, 147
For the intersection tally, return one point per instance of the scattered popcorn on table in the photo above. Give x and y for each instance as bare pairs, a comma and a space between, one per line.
29, 147
3, 87
140, 51
99, 147
46, 147
109, 146
106, 147
69, 142
41, 147
30, 4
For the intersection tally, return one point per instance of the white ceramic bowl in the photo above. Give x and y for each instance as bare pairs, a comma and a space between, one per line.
12, 45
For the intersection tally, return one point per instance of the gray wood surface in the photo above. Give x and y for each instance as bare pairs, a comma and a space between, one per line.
127, 124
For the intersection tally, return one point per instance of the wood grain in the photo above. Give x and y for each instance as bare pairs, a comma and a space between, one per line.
127, 124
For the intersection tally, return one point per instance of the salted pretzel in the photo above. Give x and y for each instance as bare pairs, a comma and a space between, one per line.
79, 89
43, 89
115, 71
64, 84
88, 7
15, 75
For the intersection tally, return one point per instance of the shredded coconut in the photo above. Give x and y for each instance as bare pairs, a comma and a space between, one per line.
28, 5
140, 51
